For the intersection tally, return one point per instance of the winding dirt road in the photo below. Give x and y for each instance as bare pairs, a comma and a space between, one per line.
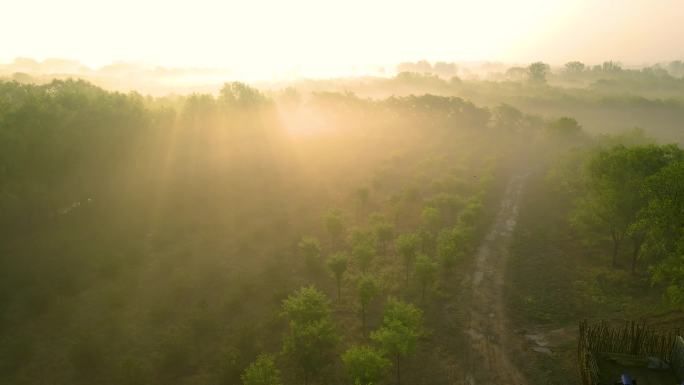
489, 339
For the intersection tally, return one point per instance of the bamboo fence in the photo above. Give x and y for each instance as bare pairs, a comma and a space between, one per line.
633, 338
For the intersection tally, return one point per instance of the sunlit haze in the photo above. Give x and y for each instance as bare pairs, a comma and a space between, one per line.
312, 192
282, 39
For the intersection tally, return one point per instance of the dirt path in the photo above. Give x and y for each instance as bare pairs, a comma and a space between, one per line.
489, 339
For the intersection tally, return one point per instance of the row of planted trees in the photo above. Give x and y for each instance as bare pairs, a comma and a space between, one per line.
370, 260
312, 339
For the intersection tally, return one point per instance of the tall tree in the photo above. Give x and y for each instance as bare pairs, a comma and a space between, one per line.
263, 371
368, 289
338, 263
663, 224
402, 325
335, 225
365, 365
312, 337
613, 199
431, 218
363, 254
407, 247
384, 232
310, 249
425, 271
448, 251
574, 67
240, 95
537, 72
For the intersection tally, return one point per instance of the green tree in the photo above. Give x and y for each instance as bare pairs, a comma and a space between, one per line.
425, 271
431, 218
613, 197
447, 248
384, 232
338, 263
334, 222
263, 371
663, 224
310, 249
311, 346
362, 236
611, 66
363, 253
312, 337
537, 72
565, 128
402, 325
240, 95
365, 365
471, 213
574, 67
368, 289
306, 305
407, 247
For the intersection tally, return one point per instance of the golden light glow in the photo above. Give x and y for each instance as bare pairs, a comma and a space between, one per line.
262, 39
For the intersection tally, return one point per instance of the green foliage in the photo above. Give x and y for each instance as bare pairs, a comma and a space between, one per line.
364, 253
537, 72
471, 212
663, 223
334, 222
613, 199
407, 248
200, 197
565, 128
312, 336
49, 140
450, 202
431, 218
306, 305
240, 95
311, 345
368, 289
310, 249
383, 231
451, 244
628, 194
402, 325
574, 67
362, 236
396, 338
338, 263
407, 314
262, 371
365, 365
425, 271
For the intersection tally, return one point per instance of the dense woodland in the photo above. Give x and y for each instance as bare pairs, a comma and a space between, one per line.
320, 233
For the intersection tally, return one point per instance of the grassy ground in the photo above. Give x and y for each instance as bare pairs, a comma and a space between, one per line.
555, 281
610, 371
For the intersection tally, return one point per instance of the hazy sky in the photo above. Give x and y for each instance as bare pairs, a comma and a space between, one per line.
259, 37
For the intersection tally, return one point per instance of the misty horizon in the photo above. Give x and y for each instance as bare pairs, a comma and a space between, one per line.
157, 79
263, 38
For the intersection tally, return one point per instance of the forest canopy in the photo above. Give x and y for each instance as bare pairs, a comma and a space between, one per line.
327, 231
